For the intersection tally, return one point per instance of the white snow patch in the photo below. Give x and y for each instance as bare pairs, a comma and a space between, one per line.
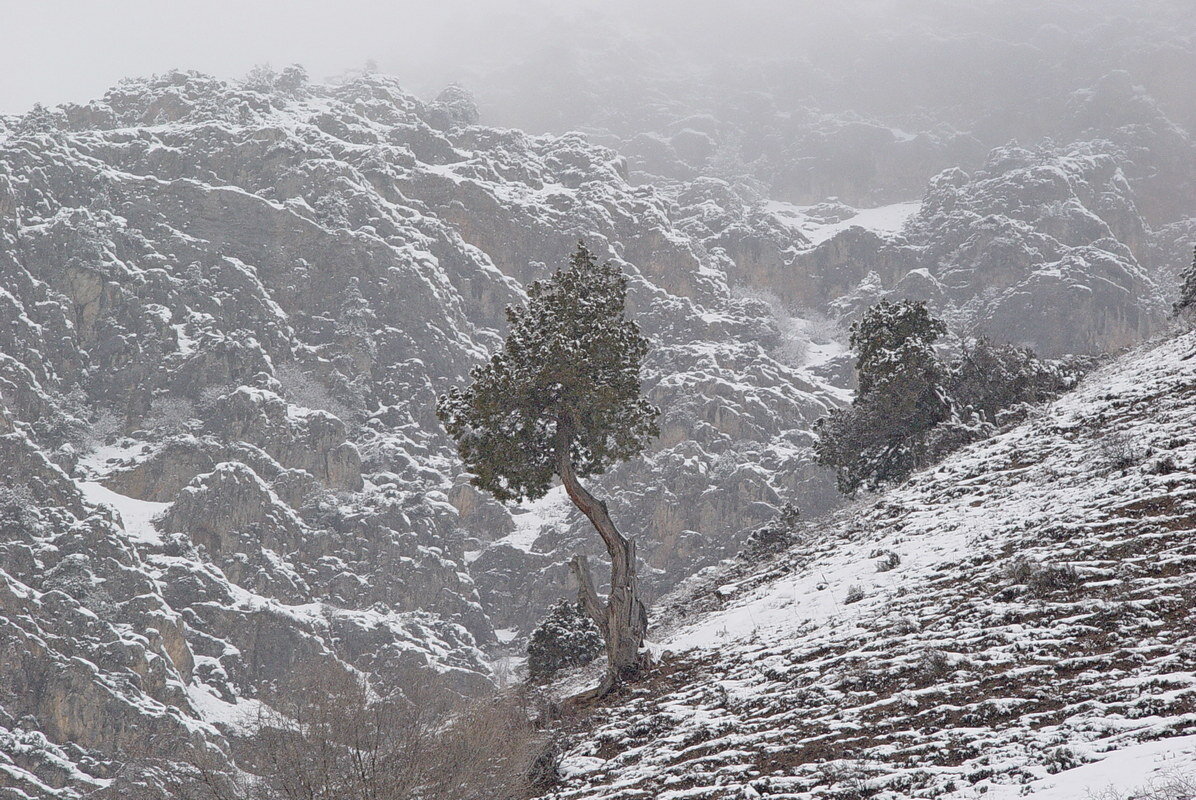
99, 462
242, 715
1125, 772
573, 766
533, 518
186, 343
136, 515
882, 219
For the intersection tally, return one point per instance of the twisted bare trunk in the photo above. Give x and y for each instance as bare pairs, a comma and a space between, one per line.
623, 620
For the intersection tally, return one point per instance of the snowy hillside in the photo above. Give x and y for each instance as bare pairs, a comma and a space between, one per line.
227, 309
1018, 621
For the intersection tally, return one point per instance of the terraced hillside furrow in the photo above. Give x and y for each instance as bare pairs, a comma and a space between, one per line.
1024, 609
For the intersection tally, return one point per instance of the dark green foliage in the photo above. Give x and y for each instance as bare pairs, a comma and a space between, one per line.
566, 638
990, 379
568, 376
911, 409
901, 397
1187, 290
892, 340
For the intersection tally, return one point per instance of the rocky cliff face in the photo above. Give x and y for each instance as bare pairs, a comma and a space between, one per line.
1040, 247
228, 310
229, 315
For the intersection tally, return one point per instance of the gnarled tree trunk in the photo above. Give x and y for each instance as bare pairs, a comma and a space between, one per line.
623, 620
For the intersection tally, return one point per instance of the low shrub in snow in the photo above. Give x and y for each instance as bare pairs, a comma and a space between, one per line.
1042, 579
888, 560
774, 537
566, 638
1170, 787
1119, 451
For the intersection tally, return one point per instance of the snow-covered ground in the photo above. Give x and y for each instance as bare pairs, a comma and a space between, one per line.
1128, 773
882, 219
536, 517
137, 515
1035, 637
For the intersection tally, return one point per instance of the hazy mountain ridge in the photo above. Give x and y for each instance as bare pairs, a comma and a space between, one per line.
868, 101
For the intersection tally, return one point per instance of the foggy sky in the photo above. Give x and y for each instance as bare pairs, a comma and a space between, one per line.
56, 51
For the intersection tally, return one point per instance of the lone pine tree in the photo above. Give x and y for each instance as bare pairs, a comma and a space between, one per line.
562, 398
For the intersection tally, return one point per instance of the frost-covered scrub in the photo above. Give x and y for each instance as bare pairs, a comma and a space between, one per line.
1037, 635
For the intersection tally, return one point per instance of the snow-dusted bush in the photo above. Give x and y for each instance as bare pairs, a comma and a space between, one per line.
1119, 451
998, 382
261, 78
104, 427
292, 80
1168, 787
210, 396
934, 664
1041, 579
1060, 759
169, 415
305, 390
788, 337
329, 734
1163, 465
1185, 306
17, 508
773, 537
566, 638
888, 561
912, 409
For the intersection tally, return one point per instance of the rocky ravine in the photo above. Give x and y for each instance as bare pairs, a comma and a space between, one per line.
228, 310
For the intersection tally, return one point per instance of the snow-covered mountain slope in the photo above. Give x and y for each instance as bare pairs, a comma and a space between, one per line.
1045, 247
1060, 183
300, 270
1018, 621
227, 312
